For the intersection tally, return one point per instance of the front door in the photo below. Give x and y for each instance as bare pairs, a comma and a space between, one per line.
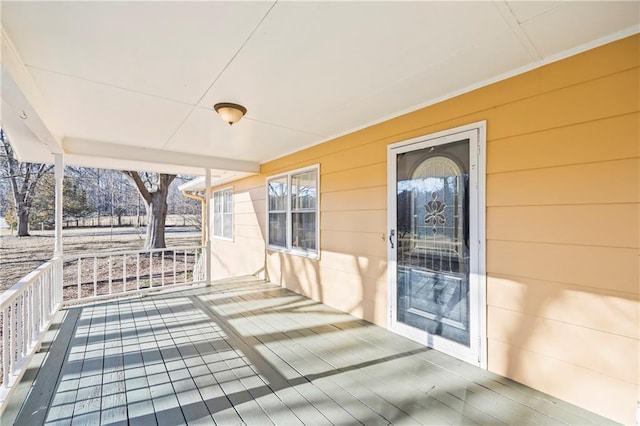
435, 246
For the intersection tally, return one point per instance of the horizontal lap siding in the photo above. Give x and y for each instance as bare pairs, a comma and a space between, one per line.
563, 224
245, 254
588, 388
563, 231
351, 273
577, 224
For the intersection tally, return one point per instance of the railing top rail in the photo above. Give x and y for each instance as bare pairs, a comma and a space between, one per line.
127, 252
18, 288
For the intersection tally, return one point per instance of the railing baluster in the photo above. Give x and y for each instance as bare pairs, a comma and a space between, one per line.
138, 272
23, 334
36, 309
150, 269
162, 267
79, 278
50, 293
124, 273
52, 280
54, 292
174, 267
27, 317
41, 303
47, 296
95, 276
184, 279
45, 299
194, 266
5, 346
33, 313
110, 279
12, 338
18, 334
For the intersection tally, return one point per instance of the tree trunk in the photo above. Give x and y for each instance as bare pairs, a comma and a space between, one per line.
156, 218
23, 222
155, 198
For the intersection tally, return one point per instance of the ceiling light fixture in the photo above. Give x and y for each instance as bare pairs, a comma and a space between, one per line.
231, 113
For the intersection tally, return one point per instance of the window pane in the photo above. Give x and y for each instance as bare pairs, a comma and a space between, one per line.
227, 231
217, 202
278, 229
303, 191
278, 194
217, 225
303, 231
227, 206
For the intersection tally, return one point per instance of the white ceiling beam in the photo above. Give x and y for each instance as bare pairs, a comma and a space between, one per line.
83, 147
24, 99
116, 164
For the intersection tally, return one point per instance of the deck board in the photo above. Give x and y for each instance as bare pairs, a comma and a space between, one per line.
249, 352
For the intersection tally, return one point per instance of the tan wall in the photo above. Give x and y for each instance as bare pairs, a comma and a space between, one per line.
563, 193
245, 254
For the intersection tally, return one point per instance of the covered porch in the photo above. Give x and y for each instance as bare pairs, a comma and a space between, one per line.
329, 88
245, 351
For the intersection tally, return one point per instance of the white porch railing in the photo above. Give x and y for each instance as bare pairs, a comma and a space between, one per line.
27, 308
26, 311
94, 276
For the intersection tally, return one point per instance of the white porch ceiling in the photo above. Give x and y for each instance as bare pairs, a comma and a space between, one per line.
133, 83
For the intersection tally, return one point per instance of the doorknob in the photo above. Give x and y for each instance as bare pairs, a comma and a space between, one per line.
392, 233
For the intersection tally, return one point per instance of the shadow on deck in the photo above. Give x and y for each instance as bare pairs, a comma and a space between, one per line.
248, 352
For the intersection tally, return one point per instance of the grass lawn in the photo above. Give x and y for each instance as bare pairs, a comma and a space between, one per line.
19, 256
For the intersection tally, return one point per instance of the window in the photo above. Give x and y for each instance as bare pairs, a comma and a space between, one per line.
223, 214
293, 211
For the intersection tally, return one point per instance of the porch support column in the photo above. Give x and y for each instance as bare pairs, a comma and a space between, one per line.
57, 250
207, 223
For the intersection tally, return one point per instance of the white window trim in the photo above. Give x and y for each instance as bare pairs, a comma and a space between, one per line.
288, 249
213, 232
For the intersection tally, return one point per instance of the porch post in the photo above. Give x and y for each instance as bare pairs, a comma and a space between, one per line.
207, 222
57, 251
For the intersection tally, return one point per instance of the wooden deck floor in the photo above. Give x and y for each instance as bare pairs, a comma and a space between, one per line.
248, 352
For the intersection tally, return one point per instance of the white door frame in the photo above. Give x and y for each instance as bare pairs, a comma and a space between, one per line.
476, 354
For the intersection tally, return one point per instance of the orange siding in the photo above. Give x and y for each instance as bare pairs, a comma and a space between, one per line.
563, 225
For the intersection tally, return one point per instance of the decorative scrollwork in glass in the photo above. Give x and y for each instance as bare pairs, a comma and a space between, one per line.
435, 213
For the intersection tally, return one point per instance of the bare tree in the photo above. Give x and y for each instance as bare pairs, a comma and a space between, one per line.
153, 188
23, 178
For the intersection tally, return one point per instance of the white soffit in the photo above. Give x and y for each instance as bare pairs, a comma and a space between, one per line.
145, 75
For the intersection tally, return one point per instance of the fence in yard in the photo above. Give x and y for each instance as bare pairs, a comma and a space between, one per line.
26, 310
136, 221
